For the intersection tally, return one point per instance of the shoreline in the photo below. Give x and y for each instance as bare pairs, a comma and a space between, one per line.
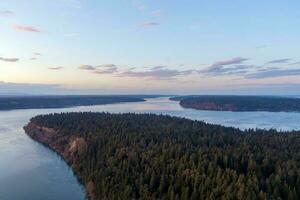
45, 136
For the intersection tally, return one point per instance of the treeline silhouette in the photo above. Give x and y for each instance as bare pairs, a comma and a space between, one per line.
147, 156
240, 103
63, 101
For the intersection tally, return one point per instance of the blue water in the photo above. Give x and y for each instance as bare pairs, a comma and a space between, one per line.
29, 171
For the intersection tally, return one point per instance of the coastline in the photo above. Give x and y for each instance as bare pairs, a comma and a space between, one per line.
46, 137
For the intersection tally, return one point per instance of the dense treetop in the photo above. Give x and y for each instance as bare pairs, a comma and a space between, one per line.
240, 103
146, 156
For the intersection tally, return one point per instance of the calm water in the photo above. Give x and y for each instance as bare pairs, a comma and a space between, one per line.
30, 171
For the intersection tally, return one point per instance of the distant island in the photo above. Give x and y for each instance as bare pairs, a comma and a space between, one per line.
240, 103
147, 156
64, 101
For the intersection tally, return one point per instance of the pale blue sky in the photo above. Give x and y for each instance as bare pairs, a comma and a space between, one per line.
150, 46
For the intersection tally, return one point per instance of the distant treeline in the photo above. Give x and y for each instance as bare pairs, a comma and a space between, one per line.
32, 102
240, 103
146, 156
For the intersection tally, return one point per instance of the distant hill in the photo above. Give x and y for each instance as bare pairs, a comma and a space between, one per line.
36, 102
240, 103
146, 156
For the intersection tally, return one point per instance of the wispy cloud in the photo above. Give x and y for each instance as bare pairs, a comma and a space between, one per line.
106, 69
9, 59
86, 67
55, 68
26, 28
295, 63
33, 58
100, 69
236, 60
37, 54
225, 67
273, 73
148, 24
263, 69
221, 70
158, 67
159, 73
231, 67
280, 61
106, 65
236, 66
6, 13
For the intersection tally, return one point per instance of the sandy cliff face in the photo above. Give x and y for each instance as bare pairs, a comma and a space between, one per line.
69, 147
46, 136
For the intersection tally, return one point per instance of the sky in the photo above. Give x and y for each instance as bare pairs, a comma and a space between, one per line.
149, 47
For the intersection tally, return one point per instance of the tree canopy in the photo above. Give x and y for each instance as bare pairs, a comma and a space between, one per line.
147, 156
240, 103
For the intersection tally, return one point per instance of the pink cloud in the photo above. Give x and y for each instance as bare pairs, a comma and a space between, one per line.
26, 28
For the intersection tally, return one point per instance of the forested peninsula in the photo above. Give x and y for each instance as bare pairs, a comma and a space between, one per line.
240, 103
147, 156
64, 101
